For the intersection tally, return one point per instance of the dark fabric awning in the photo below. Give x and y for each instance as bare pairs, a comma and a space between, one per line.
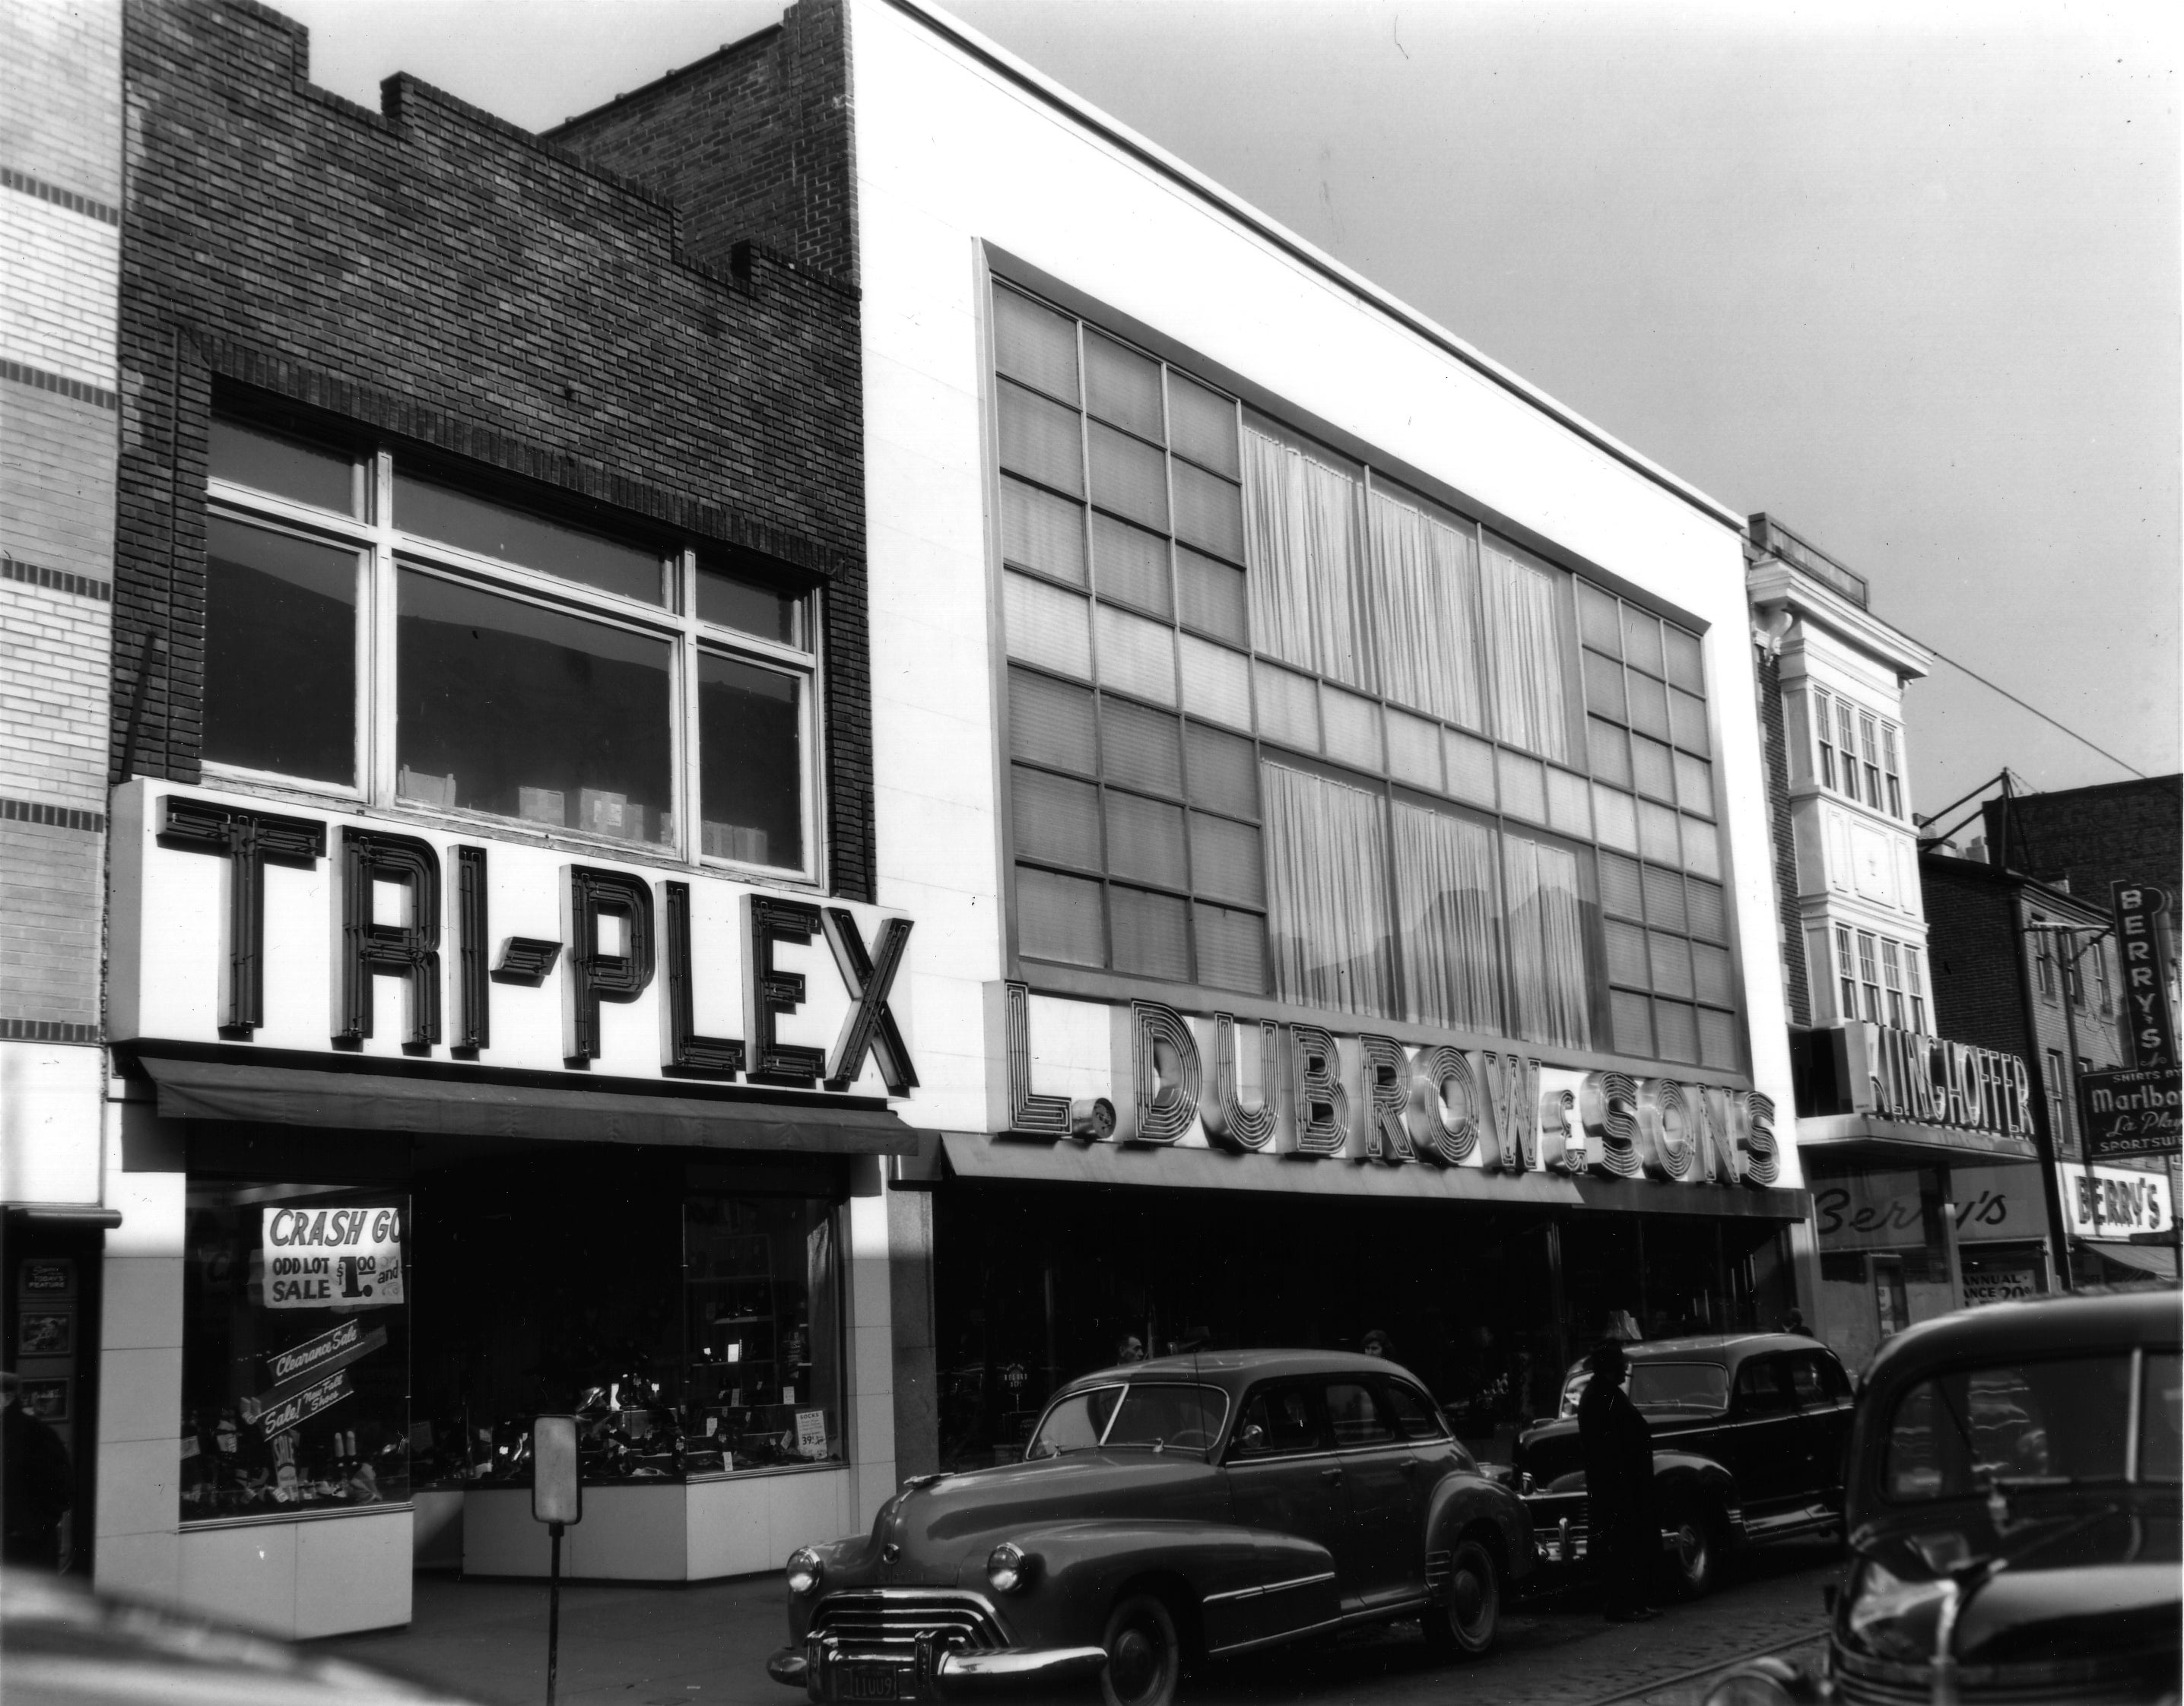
2153, 1261
974, 1155
385, 1102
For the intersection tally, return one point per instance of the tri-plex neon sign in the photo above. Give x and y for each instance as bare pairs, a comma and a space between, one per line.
1371, 1098
617, 940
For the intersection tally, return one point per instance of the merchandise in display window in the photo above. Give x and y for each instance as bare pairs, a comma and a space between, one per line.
693, 1328
296, 1350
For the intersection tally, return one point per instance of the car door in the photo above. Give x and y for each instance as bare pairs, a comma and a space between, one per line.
1381, 1558
1763, 1443
1283, 1479
1824, 1398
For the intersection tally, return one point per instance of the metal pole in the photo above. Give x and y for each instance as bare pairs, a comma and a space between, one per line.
2070, 1116
553, 1614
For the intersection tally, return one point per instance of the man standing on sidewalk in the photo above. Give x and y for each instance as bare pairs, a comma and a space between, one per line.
1623, 1537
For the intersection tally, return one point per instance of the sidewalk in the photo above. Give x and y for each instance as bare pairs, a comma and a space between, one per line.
708, 1644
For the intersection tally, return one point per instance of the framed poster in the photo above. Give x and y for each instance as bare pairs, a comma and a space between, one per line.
45, 1333
48, 1400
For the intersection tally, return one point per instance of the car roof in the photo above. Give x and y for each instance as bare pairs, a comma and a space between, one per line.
1727, 1348
1234, 1370
2087, 1321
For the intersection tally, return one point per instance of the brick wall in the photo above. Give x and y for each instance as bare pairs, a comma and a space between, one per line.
451, 282
60, 173
753, 144
1782, 831
2119, 832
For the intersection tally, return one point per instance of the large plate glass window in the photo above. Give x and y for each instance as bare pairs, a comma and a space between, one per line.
612, 686
1279, 724
295, 1350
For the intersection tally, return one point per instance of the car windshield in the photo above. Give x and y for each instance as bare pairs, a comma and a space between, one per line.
1680, 1387
1145, 1415
2056, 1422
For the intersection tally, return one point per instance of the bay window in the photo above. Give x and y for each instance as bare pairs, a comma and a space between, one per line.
1859, 754
384, 632
1280, 726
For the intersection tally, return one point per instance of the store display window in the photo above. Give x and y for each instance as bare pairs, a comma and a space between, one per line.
295, 1350
688, 1317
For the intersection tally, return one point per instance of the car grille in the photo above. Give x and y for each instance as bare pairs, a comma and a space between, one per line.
1867, 1682
895, 1619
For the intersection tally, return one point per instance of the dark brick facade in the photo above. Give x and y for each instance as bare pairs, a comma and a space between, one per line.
2091, 838
1782, 835
753, 143
1985, 990
459, 286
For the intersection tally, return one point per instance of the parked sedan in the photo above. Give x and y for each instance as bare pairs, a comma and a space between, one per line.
1190, 1507
1749, 1432
2012, 1505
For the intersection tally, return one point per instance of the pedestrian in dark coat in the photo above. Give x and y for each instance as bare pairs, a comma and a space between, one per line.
1623, 1535
38, 1484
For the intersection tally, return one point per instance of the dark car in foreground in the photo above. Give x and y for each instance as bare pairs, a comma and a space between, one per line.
2013, 1513
61, 1645
1749, 1431
1187, 1508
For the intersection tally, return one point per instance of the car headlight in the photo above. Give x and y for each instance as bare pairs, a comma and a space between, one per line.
804, 1570
1894, 1618
1010, 1568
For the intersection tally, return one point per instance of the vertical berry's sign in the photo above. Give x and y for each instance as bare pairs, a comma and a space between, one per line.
2141, 928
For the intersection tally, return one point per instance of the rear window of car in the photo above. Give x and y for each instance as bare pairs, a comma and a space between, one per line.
1415, 1413
1146, 1415
2058, 1421
1679, 1385
1277, 1419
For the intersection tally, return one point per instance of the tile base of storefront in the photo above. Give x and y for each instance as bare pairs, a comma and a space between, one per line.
696, 1530
323, 1576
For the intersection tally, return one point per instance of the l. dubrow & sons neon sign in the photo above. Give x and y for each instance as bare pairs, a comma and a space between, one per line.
1370, 1098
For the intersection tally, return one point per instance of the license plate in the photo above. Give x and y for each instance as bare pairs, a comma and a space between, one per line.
869, 1682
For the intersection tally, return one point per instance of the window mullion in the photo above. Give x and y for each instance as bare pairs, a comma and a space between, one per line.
689, 757
381, 670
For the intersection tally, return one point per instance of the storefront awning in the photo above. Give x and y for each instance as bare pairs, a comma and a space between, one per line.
364, 1101
975, 1155
1903, 1142
2140, 1258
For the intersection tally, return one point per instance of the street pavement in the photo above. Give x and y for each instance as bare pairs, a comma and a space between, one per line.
707, 1646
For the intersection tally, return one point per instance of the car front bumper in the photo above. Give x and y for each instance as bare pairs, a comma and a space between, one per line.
927, 1668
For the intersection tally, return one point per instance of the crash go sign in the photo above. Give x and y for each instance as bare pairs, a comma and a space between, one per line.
332, 1259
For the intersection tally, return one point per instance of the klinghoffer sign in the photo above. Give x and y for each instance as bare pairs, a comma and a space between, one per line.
1146, 1074
1929, 1081
2138, 1111
232, 922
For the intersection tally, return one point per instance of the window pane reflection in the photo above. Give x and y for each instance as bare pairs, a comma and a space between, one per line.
496, 530
750, 734
528, 713
279, 668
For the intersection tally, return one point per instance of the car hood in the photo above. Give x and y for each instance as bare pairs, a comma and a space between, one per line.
2067, 1578
941, 1520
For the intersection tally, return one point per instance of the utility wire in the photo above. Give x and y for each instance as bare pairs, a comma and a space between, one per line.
2035, 709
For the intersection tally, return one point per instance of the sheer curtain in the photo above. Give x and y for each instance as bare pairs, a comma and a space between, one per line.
1424, 583
1327, 894
1302, 528
1547, 943
1523, 639
1450, 903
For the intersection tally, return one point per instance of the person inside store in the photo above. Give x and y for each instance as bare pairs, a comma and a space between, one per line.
1625, 1539
1129, 1348
39, 1485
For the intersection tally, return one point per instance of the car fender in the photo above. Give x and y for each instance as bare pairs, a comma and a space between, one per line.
1677, 1474
1459, 1502
1213, 1569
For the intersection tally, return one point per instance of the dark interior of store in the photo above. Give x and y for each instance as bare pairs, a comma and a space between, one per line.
1035, 1284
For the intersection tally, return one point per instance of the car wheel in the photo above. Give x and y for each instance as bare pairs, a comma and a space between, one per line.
1692, 1552
1145, 1659
1466, 1624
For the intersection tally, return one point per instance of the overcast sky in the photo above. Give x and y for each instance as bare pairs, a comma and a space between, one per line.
1905, 276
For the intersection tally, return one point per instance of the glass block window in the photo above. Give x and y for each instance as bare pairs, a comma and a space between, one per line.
1282, 726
